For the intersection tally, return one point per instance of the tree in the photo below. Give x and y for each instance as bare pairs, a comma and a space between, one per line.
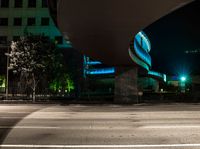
2, 81
31, 57
63, 84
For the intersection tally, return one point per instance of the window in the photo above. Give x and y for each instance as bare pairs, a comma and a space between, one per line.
3, 21
17, 22
31, 3
16, 38
3, 39
59, 39
18, 3
44, 3
44, 21
31, 21
4, 3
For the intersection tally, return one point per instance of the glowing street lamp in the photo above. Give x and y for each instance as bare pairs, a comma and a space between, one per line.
183, 79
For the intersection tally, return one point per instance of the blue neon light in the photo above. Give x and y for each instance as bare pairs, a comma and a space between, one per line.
141, 53
95, 71
100, 71
93, 63
157, 74
138, 61
143, 40
141, 47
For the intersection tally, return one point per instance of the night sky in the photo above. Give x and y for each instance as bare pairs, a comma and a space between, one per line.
171, 36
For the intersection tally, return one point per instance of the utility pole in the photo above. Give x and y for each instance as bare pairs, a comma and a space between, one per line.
7, 71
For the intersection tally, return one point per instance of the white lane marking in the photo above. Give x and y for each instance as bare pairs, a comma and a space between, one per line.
98, 146
3, 112
35, 118
171, 127
10, 117
28, 127
64, 128
99, 128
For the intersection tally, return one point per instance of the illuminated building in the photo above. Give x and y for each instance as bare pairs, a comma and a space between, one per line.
19, 17
139, 52
103, 30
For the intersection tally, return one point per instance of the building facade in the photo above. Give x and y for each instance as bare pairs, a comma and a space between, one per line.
21, 17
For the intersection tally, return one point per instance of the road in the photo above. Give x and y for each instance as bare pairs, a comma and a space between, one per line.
99, 126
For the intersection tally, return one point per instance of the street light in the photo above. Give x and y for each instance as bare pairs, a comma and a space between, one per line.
7, 69
183, 79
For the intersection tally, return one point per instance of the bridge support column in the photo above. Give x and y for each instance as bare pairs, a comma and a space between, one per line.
126, 85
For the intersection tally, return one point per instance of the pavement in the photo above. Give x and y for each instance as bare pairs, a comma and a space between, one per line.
164, 126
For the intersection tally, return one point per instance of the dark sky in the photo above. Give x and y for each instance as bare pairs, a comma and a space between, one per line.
171, 36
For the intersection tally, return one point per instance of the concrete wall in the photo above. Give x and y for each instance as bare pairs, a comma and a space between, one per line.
126, 85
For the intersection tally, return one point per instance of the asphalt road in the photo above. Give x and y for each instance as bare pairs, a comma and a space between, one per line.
100, 126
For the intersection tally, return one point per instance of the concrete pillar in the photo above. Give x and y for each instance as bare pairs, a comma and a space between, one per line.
126, 85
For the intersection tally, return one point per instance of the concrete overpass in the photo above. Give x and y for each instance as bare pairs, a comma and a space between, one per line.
106, 29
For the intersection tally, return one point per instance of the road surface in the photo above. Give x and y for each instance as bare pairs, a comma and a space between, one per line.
175, 126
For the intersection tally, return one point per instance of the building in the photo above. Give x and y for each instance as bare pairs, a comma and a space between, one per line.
98, 78
148, 80
20, 17
114, 37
